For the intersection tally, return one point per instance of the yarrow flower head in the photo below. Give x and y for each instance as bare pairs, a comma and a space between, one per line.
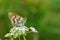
16, 31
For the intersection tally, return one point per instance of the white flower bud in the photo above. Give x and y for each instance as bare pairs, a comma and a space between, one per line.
33, 30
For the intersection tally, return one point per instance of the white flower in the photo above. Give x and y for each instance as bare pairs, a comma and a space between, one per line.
33, 30
23, 30
7, 35
17, 31
15, 35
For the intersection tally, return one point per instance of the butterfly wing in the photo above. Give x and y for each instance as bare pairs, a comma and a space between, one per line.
16, 19
22, 21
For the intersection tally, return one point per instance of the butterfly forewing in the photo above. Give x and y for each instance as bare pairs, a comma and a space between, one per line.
16, 19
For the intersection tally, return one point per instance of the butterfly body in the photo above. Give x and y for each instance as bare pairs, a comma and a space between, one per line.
16, 19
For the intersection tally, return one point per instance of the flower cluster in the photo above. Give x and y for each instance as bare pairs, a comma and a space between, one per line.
18, 31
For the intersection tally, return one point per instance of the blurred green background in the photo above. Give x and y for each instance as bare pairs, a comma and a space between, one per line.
44, 15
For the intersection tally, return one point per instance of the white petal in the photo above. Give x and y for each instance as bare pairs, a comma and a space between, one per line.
33, 29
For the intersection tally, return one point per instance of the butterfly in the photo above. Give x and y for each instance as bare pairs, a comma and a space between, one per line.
16, 19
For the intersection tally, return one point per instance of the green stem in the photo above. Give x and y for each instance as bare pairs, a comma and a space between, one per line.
19, 37
11, 38
24, 37
29, 32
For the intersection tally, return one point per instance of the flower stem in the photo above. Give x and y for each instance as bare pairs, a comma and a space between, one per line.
11, 38
24, 37
29, 32
19, 37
